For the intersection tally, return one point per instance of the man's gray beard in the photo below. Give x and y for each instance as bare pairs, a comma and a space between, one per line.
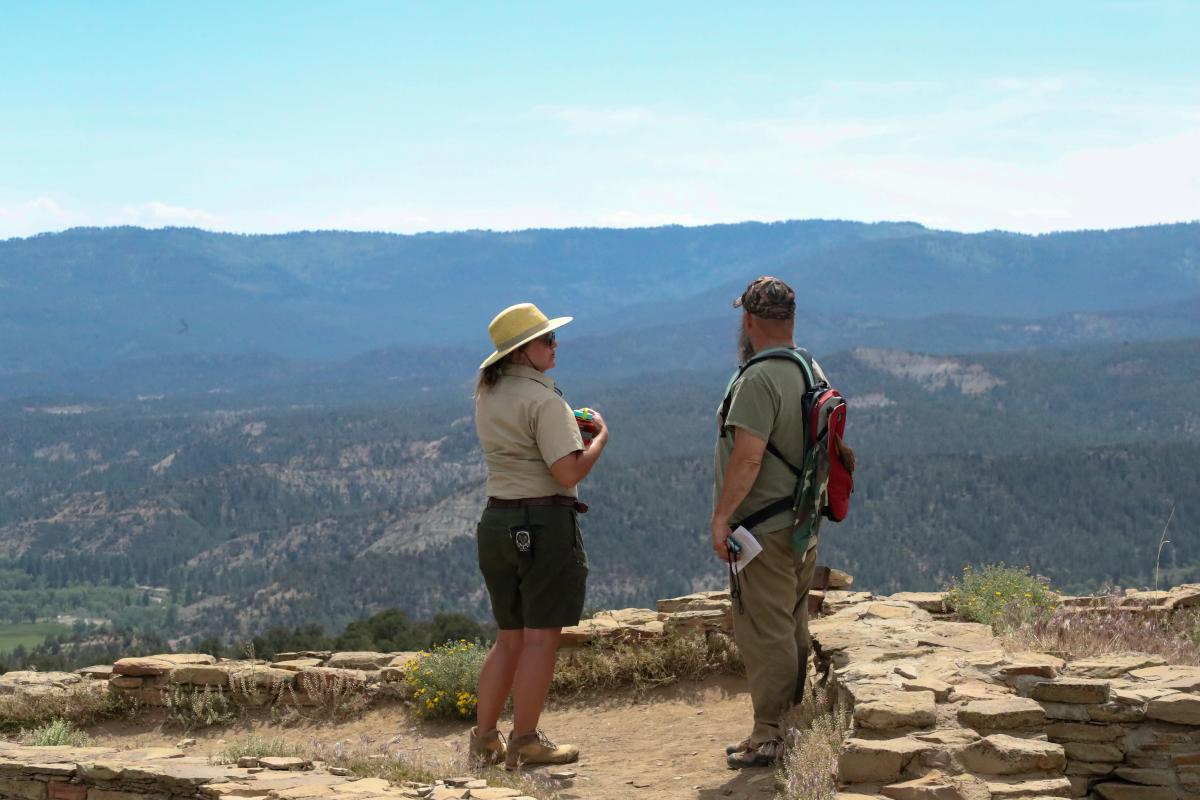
745, 348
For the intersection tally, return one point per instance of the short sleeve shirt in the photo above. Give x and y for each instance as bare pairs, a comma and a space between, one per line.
766, 401
524, 426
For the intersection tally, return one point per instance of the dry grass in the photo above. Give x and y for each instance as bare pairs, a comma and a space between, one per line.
816, 729
644, 665
80, 707
1112, 629
57, 733
400, 761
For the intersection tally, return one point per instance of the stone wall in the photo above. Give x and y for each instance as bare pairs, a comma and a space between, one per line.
169, 773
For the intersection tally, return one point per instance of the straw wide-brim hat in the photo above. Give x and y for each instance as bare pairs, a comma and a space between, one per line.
518, 325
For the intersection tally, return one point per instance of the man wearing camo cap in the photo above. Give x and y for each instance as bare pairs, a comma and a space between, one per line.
771, 622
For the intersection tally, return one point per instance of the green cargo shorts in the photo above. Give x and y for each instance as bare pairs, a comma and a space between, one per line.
543, 587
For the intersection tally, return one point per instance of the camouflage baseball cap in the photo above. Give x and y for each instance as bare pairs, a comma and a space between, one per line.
769, 298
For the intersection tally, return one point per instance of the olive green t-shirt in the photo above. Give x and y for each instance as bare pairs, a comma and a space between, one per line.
766, 400
524, 426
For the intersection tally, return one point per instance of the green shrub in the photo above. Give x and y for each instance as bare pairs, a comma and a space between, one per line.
55, 733
444, 680
198, 708
253, 745
1003, 597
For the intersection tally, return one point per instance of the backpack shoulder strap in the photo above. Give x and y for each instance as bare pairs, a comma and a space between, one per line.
798, 356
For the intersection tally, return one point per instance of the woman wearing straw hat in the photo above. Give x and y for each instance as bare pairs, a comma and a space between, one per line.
530, 548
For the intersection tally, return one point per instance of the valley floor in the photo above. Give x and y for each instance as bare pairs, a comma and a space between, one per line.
668, 743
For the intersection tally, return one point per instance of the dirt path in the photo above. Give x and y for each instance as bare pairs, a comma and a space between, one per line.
667, 745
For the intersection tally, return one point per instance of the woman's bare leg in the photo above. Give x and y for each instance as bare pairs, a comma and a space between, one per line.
534, 672
496, 678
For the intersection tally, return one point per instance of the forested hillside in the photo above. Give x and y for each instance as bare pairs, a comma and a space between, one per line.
253, 512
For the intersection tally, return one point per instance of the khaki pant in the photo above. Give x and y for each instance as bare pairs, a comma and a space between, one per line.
772, 630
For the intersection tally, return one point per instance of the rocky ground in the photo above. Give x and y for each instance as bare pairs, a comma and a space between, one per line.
939, 709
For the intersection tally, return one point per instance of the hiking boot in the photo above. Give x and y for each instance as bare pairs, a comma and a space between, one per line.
487, 749
763, 754
536, 748
730, 749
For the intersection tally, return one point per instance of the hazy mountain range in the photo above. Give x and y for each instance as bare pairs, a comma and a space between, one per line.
277, 428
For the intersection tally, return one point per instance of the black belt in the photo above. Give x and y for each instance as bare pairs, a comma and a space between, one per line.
551, 500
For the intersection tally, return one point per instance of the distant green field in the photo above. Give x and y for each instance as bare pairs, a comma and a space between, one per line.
29, 634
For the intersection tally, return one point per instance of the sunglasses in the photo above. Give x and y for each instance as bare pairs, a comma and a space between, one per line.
550, 340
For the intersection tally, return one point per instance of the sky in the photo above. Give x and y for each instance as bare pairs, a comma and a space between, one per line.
407, 117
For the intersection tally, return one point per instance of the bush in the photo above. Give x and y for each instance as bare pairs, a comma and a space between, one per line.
444, 680
80, 706
644, 665
198, 708
816, 733
1003, 597
253, 745
55, 733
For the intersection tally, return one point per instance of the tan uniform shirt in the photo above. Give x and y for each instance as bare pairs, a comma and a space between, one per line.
524, 427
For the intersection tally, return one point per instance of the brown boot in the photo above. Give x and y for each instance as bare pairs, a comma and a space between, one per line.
536, 748
487, 749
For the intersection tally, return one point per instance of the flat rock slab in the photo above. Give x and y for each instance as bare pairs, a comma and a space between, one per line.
1084, 732
159, 664
897, 710
877, 760
933, 602
1113, 666
1004, 714
1131, 791
1180, 708
1042, 787
1000, 754
362, 660
284, 763
1071, 690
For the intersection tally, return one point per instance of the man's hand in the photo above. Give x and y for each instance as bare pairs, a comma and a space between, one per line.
720, 533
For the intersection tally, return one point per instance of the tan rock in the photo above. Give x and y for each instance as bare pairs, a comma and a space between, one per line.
1147, 777
1079, 785
685, 621
1083, 732
1182, 709
359, 660
96, 793
839, 580
1030, 663
701, 601
932, 786
125, 682
363, 786
897, 710
449, 793
1012, 713
1185, 596
941, 690
1116, 712
978, 690
1184, 679
200, 675
1113, 666
1000, 754
889, 611
1132, 791
877, 760
320, 655
262, 677
1071, 690
494, 793
1040, 787
1089, 769
296, 664
933, 602
1096, 752
284, 763
159, 664
95, 671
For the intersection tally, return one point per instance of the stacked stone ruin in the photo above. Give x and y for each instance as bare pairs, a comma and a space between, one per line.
939, 709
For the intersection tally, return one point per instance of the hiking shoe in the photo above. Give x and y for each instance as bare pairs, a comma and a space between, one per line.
487, 749
730, 749
763, 754
536, 748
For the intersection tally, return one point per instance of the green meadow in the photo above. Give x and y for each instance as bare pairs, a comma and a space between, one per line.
29, 634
